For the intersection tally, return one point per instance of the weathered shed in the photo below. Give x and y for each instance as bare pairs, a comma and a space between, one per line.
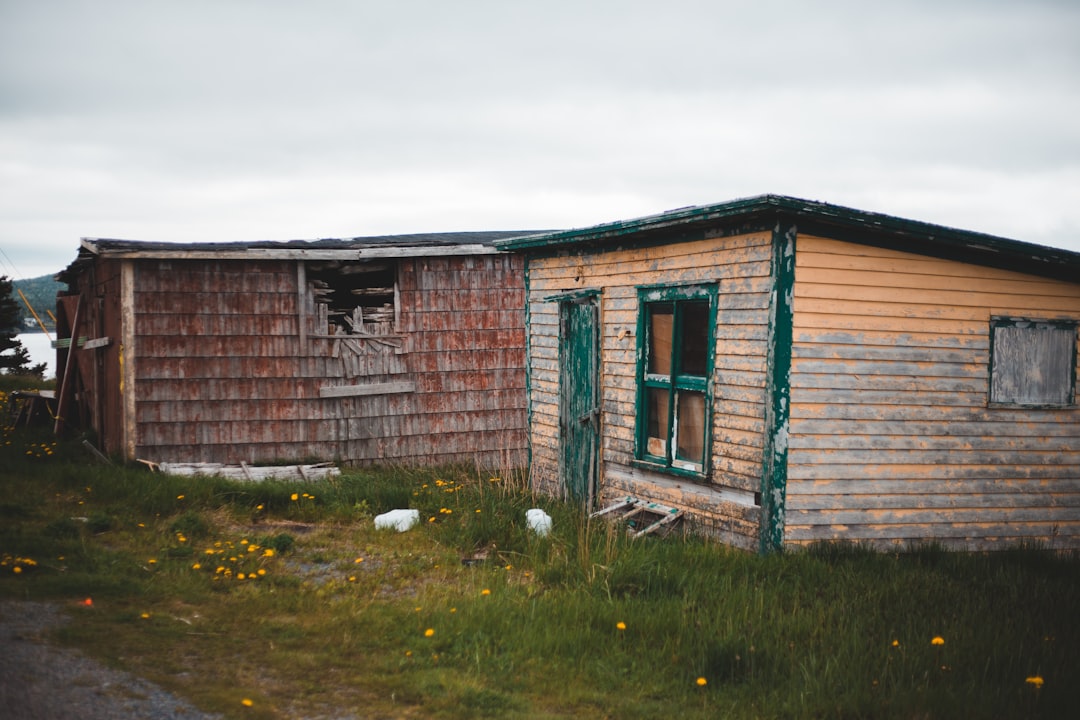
404, 348
789, 371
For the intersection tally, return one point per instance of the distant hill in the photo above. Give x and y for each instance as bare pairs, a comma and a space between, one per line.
41, 292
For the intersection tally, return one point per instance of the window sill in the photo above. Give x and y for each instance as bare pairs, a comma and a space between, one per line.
1031, 406
702, 477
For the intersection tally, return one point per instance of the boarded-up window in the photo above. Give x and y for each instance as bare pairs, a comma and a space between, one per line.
673, 380
1032, 362
355, 298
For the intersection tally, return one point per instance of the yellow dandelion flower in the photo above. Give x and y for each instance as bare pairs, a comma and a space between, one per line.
938, 640
197, 566
429, 632
701, 682
268, 552
360, 560
485, 591
247, 702
294, 497
352, 578
1035, 680
896, 643
152, 561
179, 497
16, 569
620, 625
262, 571
239, 576
145, 616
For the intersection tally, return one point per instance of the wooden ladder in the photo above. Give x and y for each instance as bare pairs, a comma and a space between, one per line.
636, 513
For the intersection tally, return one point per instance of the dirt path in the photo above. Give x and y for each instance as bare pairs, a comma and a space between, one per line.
46, 682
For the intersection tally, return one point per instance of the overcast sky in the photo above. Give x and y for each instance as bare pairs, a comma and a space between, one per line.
220, 120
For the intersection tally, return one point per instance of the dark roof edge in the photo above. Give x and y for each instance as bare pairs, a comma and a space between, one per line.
922, 235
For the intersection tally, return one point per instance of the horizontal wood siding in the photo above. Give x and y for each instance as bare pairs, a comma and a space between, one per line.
892, 441
741, 267
223, 375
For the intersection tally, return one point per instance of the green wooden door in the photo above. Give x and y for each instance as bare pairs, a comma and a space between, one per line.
579, 411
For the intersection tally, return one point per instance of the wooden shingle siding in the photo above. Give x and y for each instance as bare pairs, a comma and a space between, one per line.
223, 376
892, 439
741, 267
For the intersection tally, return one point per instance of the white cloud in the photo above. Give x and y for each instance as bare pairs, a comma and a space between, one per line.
262, 120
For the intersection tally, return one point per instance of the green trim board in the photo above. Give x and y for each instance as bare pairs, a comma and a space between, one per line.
778, 390
763, 211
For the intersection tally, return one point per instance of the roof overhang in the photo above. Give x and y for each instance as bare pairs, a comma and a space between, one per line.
766, 211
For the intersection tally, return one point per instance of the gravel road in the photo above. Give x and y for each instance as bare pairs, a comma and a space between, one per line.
39, 681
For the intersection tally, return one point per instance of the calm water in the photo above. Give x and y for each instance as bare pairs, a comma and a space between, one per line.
40, 349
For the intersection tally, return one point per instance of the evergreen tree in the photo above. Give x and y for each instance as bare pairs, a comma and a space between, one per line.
14, 358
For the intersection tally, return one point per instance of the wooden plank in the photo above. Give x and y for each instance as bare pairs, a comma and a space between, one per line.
974, 285
928, 501
949, 298
960, 431
127, 359
366, 389
899, 477
938, 531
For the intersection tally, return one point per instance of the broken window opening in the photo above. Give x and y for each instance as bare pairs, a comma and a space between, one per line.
355, 298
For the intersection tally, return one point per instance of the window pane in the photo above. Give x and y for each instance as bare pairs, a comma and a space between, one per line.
690, 432
1032, 364
694, 334
656, 411
660, 327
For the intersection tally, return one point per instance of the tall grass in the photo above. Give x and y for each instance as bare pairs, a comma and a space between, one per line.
472, 615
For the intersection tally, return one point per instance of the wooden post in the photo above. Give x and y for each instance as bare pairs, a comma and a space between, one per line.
65, 380
301, 303
127, 356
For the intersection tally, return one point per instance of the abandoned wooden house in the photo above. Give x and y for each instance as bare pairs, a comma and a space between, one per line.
784, 372
400, 349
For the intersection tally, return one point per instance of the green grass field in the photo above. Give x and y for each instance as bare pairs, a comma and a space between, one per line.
281, 600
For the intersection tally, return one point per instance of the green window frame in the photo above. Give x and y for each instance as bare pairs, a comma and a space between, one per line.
1032, 362
675, 352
